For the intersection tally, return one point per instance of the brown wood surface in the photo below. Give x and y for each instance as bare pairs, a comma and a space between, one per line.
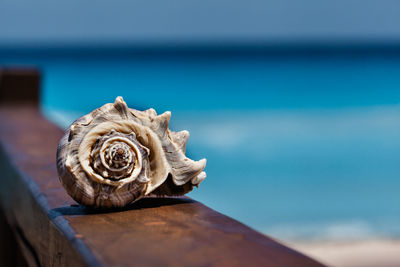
54, 231
19, 85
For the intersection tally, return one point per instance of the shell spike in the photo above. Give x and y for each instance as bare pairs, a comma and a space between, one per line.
151, 112
202, 163
188, 171
119, 100
165, 117
162, 121
180, 139
121, 107
199, 178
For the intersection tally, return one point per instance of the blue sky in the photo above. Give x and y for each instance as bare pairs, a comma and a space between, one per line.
24, 22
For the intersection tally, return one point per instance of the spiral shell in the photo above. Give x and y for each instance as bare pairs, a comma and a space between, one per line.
115, 155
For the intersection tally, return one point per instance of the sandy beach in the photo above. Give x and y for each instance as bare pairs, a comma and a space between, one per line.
382, 253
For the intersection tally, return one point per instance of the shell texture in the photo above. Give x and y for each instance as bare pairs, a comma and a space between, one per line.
115, 155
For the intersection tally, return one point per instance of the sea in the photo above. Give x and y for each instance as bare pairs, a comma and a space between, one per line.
300, 144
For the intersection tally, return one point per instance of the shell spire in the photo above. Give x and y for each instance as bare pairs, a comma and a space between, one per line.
115, 155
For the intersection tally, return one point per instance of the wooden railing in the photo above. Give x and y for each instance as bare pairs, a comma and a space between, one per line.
42, 226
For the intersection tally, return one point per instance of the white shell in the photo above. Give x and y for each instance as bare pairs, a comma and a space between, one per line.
115, 155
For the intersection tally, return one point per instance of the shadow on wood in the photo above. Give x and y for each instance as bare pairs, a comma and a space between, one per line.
145, 203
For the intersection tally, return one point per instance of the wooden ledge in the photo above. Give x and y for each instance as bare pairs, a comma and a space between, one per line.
54, 231
19, 85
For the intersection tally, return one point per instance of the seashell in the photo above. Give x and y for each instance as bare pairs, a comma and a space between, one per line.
115, 155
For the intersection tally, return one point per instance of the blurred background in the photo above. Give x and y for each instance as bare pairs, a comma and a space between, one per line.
295, 104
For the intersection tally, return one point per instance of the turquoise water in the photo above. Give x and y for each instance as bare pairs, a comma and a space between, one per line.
298, 147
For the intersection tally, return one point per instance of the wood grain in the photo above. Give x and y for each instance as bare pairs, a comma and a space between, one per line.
55, 231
